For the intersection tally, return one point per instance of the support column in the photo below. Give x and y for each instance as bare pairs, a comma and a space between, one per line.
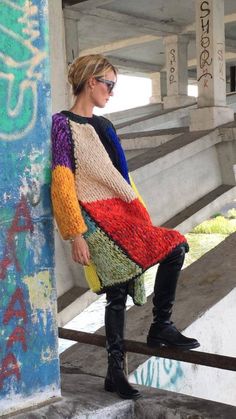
163, 83
72, 39
59, 86
156, 88
212, 110
177, 71
29, 361
233, 78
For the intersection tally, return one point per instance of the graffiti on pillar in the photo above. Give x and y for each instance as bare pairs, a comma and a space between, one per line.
205, 58
221, 60
10, 254
19, 68
159, 373
172, 66
28, 332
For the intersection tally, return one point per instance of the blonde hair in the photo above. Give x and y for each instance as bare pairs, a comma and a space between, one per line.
82, 68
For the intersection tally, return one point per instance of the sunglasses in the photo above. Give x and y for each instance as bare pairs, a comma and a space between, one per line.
109, 83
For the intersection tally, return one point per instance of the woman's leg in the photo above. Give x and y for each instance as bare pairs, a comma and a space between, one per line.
162, 330
114, 325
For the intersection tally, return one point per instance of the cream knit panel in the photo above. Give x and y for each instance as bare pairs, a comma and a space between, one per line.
96, 177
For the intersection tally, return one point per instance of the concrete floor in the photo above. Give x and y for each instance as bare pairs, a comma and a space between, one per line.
83, 397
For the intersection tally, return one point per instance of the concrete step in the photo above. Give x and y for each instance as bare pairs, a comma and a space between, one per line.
168, 147
130, 114
202, 209
165, 118
72, 303
149, 139
83, 397
168, 118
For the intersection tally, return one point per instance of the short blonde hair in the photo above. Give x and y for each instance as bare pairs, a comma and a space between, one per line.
82, 68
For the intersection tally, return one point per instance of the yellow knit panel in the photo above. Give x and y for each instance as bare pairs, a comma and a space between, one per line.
65, 203
92, 278
136, 190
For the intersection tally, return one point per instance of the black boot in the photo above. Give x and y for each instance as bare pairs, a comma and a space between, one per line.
162, 330
114, 324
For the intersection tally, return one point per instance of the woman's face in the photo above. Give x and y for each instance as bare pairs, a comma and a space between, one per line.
103, 89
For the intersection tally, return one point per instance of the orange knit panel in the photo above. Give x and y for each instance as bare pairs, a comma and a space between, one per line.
65, 204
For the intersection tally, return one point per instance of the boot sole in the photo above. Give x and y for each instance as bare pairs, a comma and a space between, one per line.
157, 343
108, 386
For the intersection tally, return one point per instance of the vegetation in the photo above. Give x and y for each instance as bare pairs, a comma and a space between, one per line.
209, 234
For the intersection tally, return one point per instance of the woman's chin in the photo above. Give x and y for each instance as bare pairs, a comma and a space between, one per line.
101, 105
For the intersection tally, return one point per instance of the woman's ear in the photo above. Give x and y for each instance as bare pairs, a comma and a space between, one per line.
91, 82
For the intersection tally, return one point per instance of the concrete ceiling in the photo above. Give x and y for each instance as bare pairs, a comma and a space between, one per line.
131, 32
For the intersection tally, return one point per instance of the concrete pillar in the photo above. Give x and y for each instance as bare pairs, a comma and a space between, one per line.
177, 71
29, 362
72, 39
233, 78
210, 38
59, 68
156, 88
163, 83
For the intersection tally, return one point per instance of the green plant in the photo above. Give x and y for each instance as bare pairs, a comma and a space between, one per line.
219, 225
231, 213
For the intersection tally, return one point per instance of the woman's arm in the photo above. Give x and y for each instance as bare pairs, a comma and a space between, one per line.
65, 204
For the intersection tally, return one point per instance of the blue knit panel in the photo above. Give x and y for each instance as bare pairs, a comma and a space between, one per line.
121, 155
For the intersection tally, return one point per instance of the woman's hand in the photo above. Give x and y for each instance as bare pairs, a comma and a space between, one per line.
80, 250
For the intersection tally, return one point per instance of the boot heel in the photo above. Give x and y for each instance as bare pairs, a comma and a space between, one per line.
108, 385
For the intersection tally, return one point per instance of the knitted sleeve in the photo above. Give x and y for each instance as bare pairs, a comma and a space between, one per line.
65, 204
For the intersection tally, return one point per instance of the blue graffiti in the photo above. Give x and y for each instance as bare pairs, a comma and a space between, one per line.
159, 373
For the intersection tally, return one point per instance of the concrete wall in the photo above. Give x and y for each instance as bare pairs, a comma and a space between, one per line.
180, 178
29, 370
215, 330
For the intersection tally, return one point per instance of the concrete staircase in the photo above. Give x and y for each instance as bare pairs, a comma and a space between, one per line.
202, 286
182, 173
151, 117
184, 177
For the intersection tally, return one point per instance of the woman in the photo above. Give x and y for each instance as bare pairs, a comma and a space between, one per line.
110, 230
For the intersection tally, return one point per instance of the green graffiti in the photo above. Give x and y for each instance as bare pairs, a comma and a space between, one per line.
19, 61
159, 373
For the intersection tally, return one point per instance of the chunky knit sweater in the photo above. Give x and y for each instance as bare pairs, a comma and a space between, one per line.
92, 194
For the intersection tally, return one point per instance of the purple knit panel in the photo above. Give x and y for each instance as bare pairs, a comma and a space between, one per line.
62, 145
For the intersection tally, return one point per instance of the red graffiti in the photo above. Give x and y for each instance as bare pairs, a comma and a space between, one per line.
12, 311
15, 309
9, 367
18, 335
21, 222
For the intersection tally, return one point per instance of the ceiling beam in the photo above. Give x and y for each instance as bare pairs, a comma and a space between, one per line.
132, 66
192, 26
230, 56
84, 4
230, 45
141, 25
71, 2
116, 45
230, 18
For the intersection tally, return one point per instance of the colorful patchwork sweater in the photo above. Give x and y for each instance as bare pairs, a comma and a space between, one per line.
92, 194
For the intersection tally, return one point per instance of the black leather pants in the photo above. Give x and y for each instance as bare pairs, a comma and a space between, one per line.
115, 317
166, 283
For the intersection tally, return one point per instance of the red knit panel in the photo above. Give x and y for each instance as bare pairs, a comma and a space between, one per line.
129, 225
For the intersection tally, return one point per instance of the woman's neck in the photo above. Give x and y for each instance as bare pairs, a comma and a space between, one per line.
82, 107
